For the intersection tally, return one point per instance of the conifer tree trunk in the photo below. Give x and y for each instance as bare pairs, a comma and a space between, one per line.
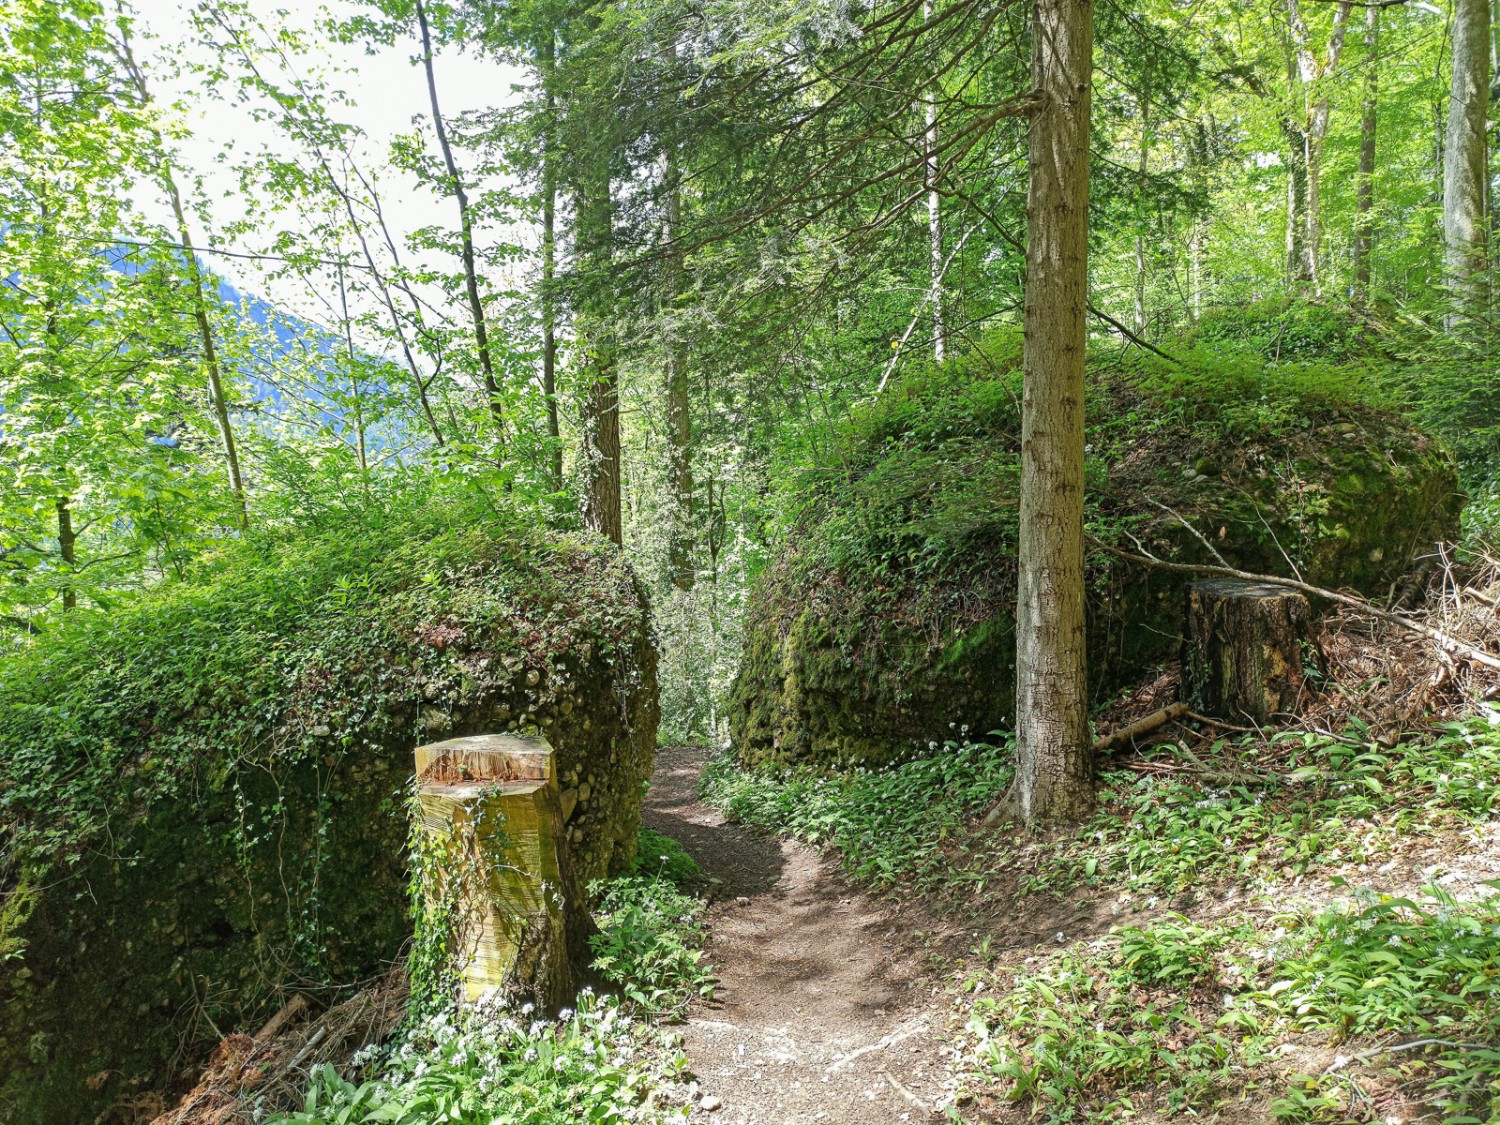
1143, 164
601, 373
679, 404
1465, 241
1054, 760
548, 57
1364, 187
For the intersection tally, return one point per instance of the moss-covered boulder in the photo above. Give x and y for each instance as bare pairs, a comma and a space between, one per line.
887, 618
203, 798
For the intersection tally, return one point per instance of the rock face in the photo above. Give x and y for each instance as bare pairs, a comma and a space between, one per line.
886, 620
203, 801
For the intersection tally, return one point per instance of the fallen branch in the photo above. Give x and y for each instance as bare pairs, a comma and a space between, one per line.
294, 1007
1141, 726
1447, 640
1222, 725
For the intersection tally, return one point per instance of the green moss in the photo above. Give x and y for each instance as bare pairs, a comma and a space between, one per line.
887, 618
201, 799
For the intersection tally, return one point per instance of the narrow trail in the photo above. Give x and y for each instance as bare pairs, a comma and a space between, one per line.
818, 1017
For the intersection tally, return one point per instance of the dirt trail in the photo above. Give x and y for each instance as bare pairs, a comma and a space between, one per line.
819, 1017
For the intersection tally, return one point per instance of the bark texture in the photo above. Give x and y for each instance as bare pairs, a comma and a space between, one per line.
1054, 762
1242, 649
601, 373
1364, 187
1465, 238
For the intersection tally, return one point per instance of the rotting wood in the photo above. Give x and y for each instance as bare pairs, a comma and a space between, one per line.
1243, 649
290, 1011
1145, 725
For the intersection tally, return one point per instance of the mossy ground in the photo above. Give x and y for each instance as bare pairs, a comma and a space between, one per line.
886, 619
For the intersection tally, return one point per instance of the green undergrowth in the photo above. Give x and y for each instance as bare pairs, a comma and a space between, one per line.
599, 1063
890, 825
595, 1064
650, 938
1331, 802
1179, 1018
1337, 801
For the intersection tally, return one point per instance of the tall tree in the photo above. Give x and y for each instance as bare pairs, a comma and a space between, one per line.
1364, 187
465, 223
1312, 72
1465, 159
1054, 758
161, 157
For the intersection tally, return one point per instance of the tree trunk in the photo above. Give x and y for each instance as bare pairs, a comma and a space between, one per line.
1054, 763
466, 228
1143, 161
1465, 257
1312, 212
549, 261
934, 211
1296, 190
67, 550
1309, 69
1242, 649
1364, 186
601, 374
679, 403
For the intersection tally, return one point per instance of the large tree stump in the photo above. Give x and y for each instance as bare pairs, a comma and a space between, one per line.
1243, 649
500, 866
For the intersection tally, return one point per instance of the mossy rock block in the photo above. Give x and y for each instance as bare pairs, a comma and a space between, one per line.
886, 620
204, 798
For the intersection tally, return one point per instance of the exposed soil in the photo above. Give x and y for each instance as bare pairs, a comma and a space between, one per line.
821, 1013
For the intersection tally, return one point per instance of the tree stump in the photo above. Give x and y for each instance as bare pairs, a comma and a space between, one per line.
1243, 649
496, 863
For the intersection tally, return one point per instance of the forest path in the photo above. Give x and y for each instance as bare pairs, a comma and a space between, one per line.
818, 1016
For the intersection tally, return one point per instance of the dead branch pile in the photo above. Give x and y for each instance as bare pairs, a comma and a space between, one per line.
1379, 670
249, 1076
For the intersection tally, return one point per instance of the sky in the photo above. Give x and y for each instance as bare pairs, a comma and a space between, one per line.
387, 88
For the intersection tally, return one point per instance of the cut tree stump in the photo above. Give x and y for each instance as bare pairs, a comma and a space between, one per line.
490, 803
1242, 649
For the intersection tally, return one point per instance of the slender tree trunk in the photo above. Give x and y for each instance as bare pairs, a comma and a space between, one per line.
1312, 212
359, 405
466, 227
1465, 249
934, 211
549, 260
217, 399
1142, 166
1364, 186
1296, 192
1054, 761
679, 405
601, 373
1309, 70
67, 550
